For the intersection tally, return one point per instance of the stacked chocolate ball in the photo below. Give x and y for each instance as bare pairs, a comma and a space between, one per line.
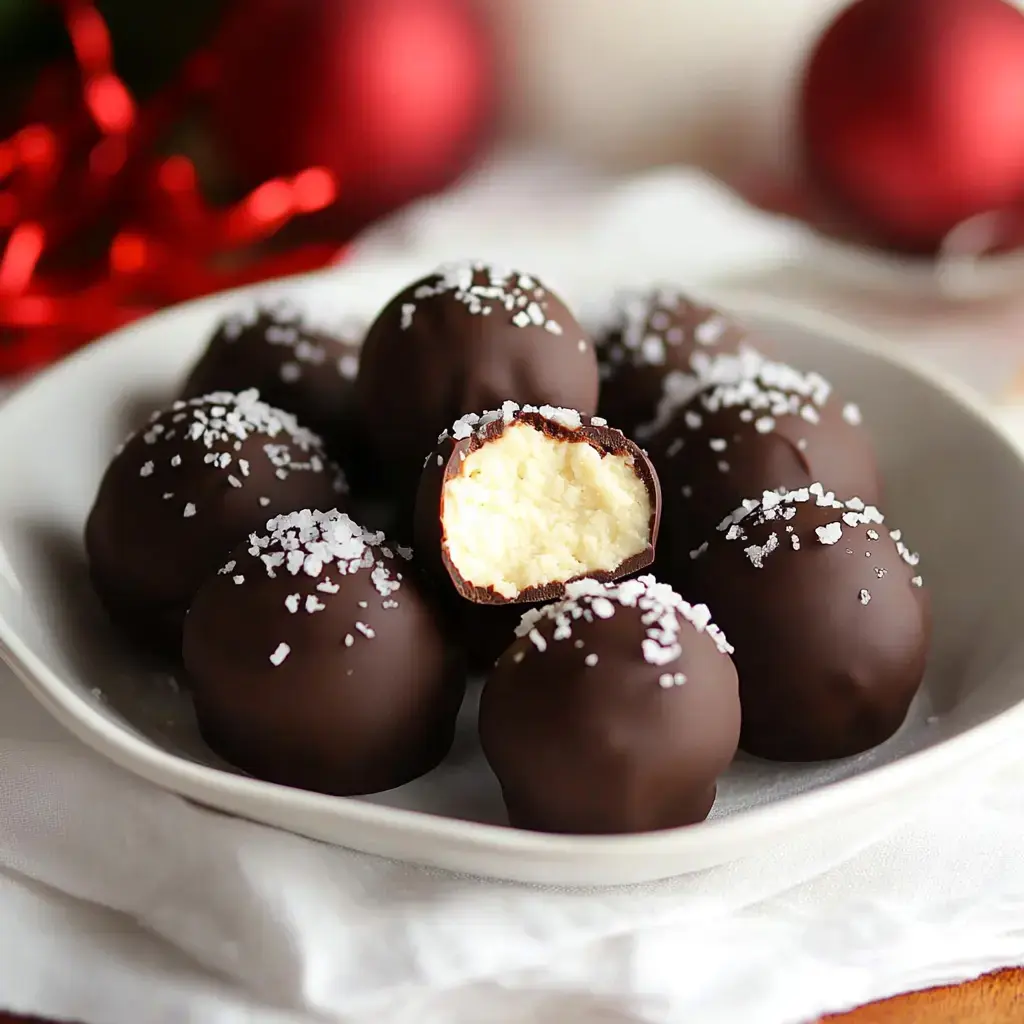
504, 444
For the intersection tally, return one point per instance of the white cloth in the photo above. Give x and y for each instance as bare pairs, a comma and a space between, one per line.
120, 903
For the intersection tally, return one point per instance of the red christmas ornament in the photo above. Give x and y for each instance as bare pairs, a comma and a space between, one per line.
912, 118
98, 227
395, 96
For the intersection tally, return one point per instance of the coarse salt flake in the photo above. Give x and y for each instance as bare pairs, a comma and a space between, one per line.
662, 612
829, 533
669, 679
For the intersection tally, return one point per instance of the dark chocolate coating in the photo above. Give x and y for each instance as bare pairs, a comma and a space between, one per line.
365, 696
825, 671
446, 460
605, 747
734, 441
294, 366
482, 631
182, 492
652, 341
465, 338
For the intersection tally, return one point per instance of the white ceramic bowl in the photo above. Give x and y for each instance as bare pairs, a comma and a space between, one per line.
951, 278
955, 486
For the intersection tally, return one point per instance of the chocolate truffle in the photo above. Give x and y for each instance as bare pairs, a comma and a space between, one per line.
465, 338
653, 351
517, 502
830, 622
760, 426
183, 491
615, 711
296, 367
481, 631
315, 662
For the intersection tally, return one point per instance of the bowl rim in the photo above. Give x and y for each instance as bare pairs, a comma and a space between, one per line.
988, 742
947, 277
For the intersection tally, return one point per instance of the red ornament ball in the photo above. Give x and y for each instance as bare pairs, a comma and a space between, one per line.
912, 117
396, 97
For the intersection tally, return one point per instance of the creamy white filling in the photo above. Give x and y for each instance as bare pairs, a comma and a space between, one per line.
527, 510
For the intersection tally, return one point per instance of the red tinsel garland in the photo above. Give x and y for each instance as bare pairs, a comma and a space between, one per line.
100, 229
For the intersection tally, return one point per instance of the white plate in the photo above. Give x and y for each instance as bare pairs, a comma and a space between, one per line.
951, 279
955, 486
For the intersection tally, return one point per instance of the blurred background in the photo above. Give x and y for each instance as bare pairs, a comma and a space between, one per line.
153, 152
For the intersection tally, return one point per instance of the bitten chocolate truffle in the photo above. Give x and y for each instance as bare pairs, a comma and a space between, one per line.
615, 711
296, 367
829, 618
183, 491
465, 338
760, 425
653, 351
517, 502
316, 663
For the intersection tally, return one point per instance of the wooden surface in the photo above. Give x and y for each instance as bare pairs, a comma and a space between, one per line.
994, 999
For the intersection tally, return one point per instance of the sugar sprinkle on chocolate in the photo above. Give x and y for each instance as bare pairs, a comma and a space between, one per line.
662, 611
483, 289
326, 546
775, 506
